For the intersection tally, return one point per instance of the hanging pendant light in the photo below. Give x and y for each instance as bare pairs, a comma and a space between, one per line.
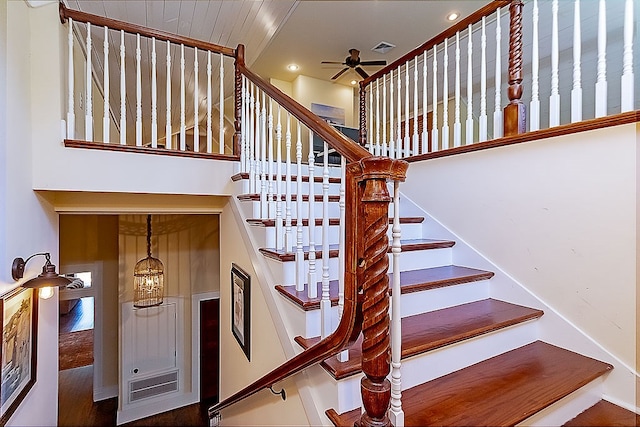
148, 278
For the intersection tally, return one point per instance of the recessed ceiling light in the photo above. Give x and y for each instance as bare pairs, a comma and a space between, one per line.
453, 16
353, 82
292, 67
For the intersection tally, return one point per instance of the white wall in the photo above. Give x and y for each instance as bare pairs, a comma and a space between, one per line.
558, 215
28, 224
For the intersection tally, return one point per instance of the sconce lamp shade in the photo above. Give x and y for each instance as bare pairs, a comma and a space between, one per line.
148, 278
48, 277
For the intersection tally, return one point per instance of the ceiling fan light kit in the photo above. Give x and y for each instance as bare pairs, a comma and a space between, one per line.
353, 61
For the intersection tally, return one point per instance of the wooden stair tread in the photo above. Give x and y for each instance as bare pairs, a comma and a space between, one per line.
605, 413
436, 329
410, 281
407, 245
501, 391
255, 197
332, 221
305, 178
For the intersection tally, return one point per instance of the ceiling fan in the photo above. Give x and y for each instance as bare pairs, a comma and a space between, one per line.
353, 61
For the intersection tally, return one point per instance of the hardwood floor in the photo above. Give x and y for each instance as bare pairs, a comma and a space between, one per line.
79, 318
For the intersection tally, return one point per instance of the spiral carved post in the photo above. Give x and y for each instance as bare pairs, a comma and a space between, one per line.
237, 99
515, 120
372, 266
363, 116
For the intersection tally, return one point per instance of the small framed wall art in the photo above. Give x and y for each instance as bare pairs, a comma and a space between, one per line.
241, 308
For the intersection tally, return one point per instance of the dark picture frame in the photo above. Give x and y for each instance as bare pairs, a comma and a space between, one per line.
241, 308
18, 353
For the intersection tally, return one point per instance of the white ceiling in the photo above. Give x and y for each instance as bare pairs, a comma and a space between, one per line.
305, 32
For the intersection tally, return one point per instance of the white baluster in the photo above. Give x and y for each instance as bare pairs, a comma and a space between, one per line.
385, 146
278, 172
399, 153
425, 131
288, 236
243, 130
138, 93
576, 92
445, 96
221, 105
343, 356
469, 122
627, 79
325, 302
106, 123
299, 252
434, 107
392, 142
370, 139
416, 140
196, 103
396, 413
497, 114
209, 130
123, 94
534, 105
154, 96
168, 131
482, 122
264, 200
271, 197
88, 105
251, 137
457, 126
71, 116
601, 81
407, 113
312, 290
376, 151
183, 125
554, 98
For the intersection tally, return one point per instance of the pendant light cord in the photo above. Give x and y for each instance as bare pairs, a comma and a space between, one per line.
149, 236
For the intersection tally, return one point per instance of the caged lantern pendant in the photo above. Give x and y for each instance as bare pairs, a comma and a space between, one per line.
148, 278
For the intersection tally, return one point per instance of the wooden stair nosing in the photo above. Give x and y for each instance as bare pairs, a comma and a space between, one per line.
501, 391
255, 197
605, 413
332, 221
410, 281
436, 329
305, 178
407, 246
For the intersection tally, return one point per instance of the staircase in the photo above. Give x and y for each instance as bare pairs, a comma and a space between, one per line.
467, 358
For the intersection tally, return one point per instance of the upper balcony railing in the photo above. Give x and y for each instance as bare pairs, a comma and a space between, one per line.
561, 62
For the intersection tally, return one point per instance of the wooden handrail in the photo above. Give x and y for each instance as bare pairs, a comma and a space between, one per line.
343, 145
449, 32
114, 24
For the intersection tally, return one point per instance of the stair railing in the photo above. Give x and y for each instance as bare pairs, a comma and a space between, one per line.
365, 306
436, 97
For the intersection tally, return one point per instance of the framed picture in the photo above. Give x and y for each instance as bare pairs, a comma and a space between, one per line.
19, 344
241, 307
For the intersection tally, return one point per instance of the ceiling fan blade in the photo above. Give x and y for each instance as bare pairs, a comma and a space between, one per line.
333, 62
339, 73
362, 73
381, 62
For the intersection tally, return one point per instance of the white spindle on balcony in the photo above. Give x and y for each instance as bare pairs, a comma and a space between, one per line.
251, 140
425, 131
396, 412
196, 104
288, 235
399, 153
325, 302
576, 92
469, 122
385, 146
482, 121
183, 125
221, 107
376, 150
123, 94
312, 284
415, 140
138, 93
534, 105
71, 116
392, 142
209, 130
243, 129
554, 98
434, 107
601, 81
370, 138
343, 356
278, 172
271, 197
106, 122
627, 79
457, 126
154, 96
88, 105
497, 113
168, 130
407, 113
445, 96
264, 201
299, 249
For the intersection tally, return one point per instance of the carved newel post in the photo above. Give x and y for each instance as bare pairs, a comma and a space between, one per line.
515, 120
372, 266
237, 123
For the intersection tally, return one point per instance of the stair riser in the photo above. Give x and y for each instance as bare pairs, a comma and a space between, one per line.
434, 364
254, 212
439, 298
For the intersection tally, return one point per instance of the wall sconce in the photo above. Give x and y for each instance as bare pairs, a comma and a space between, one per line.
45, 281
